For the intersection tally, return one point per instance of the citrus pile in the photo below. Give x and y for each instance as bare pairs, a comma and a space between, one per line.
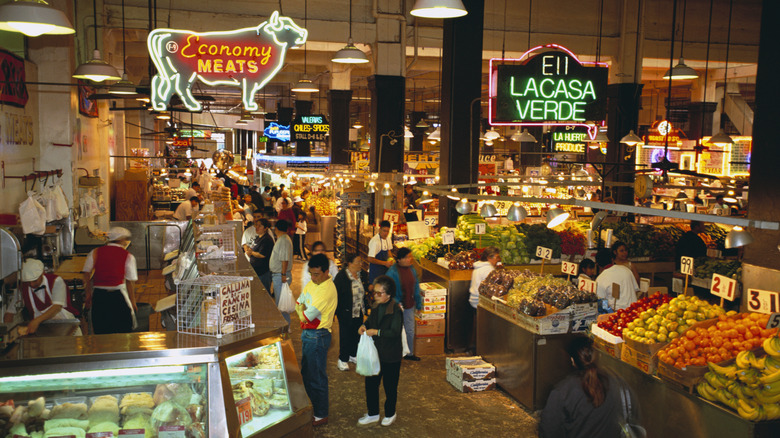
670, 320
734, 332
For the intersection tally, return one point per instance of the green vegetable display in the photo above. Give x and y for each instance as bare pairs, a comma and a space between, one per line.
704, 267
506, 238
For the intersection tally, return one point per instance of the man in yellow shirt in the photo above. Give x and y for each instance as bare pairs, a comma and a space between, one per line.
315, 307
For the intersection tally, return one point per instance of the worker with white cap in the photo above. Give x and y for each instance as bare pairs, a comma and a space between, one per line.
45, 296
110, 290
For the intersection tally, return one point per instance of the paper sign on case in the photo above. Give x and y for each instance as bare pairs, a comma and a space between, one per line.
763, 301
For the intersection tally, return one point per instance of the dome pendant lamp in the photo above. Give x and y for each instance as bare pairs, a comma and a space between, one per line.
96, 69
305, 85
350, 54
439, 9
34, 18
124, 86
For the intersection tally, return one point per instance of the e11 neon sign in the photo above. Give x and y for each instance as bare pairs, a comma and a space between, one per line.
550, 88
245, 58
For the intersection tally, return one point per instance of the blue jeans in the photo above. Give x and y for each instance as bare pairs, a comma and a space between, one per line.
277, 280
409, 327
315, 344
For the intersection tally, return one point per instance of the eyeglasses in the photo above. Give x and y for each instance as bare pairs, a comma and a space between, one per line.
379, 293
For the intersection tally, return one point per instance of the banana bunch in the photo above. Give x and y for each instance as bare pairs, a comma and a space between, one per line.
772, 346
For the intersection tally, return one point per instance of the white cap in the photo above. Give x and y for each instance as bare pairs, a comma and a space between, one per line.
116, 233
32, 269
298, 199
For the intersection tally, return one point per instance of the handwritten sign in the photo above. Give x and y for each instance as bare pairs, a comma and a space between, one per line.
393, 216
686, 265
586, 285
569, 268
774, 321
544, 253
480, 228
723, 287
448, 238
235, 303
763, 301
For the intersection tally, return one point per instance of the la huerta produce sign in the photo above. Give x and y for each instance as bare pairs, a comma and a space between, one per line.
550, 87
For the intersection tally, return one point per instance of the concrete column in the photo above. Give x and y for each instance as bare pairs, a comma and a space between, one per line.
338, 108
387, 128
461, 90
302, 147
764, 204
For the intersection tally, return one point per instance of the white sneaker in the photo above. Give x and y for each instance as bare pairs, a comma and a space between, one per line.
342, 366
366, 419
353, 359
388, 420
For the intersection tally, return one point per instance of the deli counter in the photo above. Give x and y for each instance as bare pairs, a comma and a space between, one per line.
159, 384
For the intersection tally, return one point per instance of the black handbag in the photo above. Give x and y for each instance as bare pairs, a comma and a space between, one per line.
628, 428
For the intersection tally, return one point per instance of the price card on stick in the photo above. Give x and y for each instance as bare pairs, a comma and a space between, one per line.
723, 287
569, 269
586, 285
686, 265
431, 220
448, 238
544, 254
393, 216
763, 301
774, 321
480, 228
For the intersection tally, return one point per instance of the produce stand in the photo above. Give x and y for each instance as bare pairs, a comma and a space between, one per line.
667, 410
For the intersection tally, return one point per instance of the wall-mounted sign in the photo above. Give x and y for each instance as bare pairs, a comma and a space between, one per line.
13, 90
549, 87
569, 139
657, 135
310, 128
195, 133
276, 131
244, 58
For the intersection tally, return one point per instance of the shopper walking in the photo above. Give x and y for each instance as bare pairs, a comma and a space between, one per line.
315, 307
300, 236
286, 214
379, 252
281, 262
318, 247
351, 285
587, 403
109, 273
384, 325
258, 246
407, 294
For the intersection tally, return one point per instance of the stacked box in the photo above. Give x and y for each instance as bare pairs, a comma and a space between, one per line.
428, 345
434, 297
429, 327
470, 374
582, 316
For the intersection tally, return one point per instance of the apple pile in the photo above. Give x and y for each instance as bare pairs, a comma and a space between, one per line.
670, 320
622, 318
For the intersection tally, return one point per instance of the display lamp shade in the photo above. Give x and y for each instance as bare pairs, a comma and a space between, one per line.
730, 200
408, 132
439, 9
357, 125
487, 210
463, 206
305, 86
426, 198
681, 196
681, 71
34, 18
631, 139
422, 125
387, 190
738, 237
515, 136
97, 70
555, 217
721, 139
163, 115
516, 213
492, 134
526, 137
123, 87
350, 55
598, 218
454, 196
435, 135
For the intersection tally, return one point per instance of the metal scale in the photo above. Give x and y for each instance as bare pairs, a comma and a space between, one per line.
10, 267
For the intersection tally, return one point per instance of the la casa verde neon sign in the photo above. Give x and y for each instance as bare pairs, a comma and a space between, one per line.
245, 58
550, 88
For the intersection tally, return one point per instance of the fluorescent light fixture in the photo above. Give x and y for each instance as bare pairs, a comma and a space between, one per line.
34, 18
305, 86
439, 9
350, 55
97, 70
736, 238
119, 372
681, 71
631, 139
555, 217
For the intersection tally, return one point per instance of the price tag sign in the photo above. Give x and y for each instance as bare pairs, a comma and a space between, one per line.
544, 253
723, 287
569, 268
686, 265
774, 321
448, 238
763, 301
132, 433
244, 407
100, 435
480, 228
393, 216
586, 285
431, 220
171, 432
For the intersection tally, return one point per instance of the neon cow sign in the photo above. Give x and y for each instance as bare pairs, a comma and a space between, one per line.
245, 58
552, 88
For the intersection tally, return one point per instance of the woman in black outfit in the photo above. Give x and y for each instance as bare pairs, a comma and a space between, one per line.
384, 324
588, 402
351, 284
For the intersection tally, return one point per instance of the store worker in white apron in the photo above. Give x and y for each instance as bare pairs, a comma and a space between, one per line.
109, 273
45, 296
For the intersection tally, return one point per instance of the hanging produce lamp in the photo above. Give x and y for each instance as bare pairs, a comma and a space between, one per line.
555, 217
738, 237
681, 72
488, 210
631, 139
516, 213
439, 9
34, 18
463, 206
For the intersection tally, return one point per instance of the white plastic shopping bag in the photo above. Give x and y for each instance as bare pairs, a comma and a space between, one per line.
404, 342
286, 302
367, 357
32, 215
63, 209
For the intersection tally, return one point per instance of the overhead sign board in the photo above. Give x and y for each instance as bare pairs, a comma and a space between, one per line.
310, 128
276, 131
245, 58
552, 87
570, 139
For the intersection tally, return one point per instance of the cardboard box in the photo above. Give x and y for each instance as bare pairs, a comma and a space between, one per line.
582, 316
431, 289
471, 369
471, 386
611, 349
450, 362
644, 362
555, 324
428, 345
429, 327
435, 299
429, 316
434, 308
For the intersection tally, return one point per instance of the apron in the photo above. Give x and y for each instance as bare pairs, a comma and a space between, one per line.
375, 270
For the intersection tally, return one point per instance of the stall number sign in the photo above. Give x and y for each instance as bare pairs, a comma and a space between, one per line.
774, 321
480, 228
586, 285
686, 265
171, 432
723, 287
431, 220
244, 407
544, 253
763, 301
569, 268
393, 216
310, 128
235, 303
448, 238
549, 87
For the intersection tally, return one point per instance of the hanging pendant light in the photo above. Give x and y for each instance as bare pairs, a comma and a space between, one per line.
526, 137
371, 188
96, 69
387, 190
631, 139
487, 210
463, 206
435, 135
124, 86
738, 237
408, 132
305, 86
34, 18
721, 139
516, 213
350, 54
556, 216
680, 72
426, 198
439, 9
492, 134
454, 196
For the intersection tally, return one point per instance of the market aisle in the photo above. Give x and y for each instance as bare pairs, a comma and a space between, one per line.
427, 405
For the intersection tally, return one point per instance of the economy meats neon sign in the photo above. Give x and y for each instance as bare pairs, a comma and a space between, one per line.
245, 58
550, 88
